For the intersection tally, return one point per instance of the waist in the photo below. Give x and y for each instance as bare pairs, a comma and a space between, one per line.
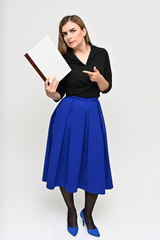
83, 98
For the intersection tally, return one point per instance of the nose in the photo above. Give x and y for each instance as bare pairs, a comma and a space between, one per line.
68, 36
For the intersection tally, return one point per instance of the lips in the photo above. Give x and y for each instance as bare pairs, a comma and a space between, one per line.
71, 42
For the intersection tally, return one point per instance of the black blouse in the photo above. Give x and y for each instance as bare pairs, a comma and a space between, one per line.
78, 83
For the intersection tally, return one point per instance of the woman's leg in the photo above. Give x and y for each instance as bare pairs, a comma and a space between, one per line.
90, 199
69, 200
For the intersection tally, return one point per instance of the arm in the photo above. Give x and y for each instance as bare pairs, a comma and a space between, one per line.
103, 84
104, 81
107, 76
56, 96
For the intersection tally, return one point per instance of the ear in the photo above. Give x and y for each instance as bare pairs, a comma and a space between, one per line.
84, 32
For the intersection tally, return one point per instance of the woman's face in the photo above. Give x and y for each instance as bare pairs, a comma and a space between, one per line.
72, 34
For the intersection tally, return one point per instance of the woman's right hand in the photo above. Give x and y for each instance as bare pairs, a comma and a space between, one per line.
51, 87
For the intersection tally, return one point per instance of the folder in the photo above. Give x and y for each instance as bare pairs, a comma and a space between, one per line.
46, 59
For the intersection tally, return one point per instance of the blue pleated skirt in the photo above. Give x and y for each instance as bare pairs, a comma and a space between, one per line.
77, 151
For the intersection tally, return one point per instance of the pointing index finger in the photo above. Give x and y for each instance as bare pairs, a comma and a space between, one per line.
90, 73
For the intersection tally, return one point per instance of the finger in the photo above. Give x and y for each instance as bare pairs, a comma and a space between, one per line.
95, 69
46, 82
89, 73
52, 82
53, 79
55, 84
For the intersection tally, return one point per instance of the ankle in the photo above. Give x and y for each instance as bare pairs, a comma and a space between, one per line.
87, 214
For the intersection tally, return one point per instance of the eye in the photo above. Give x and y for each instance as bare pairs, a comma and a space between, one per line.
73, 30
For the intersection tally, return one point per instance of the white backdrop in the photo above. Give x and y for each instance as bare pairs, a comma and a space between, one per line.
130, 33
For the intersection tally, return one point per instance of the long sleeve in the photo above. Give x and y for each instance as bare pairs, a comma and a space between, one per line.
61, 89
107, 73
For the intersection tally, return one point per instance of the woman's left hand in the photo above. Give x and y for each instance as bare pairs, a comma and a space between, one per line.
94, 76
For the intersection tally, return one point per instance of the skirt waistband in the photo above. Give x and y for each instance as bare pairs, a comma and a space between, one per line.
83, 98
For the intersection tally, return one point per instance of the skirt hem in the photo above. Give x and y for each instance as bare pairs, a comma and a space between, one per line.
79, 187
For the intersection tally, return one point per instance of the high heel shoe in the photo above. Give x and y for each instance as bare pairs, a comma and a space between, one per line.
94, 231
71, 230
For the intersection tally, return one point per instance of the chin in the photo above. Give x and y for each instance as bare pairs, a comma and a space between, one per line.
73, 45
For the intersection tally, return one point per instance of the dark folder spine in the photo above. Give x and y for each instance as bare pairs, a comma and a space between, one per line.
35, 66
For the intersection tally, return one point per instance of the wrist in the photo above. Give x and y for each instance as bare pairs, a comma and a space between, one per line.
100, 79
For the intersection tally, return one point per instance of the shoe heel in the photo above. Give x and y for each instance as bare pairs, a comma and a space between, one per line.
93, 232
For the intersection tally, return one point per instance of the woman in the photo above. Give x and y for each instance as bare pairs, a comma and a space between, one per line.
77, 151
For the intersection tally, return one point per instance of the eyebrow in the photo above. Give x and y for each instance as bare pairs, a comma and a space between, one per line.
69, 30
